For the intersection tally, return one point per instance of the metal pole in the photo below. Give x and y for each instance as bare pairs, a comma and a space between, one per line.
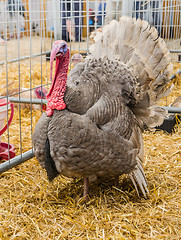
44, 101
16, 160
175, 51
27, 100
24, 58
174, 75
172, 109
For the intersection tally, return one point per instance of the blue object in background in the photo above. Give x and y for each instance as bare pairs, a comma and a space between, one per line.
101, 15
91, 22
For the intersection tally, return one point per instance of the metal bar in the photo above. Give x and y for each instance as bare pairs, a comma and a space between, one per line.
23, 91
172, 109
30, 17
27, 100
175, 51
6, 58
44, 101
24, 58
19, 76
16, 160
174, 75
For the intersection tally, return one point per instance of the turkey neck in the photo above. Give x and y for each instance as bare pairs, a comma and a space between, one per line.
57, 90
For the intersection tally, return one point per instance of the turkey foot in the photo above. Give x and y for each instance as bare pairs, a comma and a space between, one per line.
86, 188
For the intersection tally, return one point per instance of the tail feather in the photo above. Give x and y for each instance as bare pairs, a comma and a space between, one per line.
49, 163
138, 178
139, 47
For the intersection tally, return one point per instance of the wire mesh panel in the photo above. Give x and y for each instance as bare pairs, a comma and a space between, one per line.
23, 69
165, 16
27, 31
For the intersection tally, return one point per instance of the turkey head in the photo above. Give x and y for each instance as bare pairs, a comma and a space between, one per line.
55, 96
40, 92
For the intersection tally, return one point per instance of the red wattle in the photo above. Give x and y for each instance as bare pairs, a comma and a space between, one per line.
49, 112
56, 93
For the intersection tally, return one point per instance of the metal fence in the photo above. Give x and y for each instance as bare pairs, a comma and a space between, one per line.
27, 30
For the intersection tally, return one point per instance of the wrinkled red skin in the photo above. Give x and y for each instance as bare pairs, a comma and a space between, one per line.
44, 107
58, 87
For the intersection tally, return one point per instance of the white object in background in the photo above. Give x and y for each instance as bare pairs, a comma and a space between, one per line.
56, 19
117, 8
3, 20
113, 10
36, 12
71, 29
49, 16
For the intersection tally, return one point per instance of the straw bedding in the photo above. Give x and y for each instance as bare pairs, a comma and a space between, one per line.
33, 208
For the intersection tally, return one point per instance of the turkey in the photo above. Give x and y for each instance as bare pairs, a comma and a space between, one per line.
38, 93
93, 124
76, 58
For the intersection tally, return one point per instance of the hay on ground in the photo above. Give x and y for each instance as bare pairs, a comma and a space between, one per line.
33, 208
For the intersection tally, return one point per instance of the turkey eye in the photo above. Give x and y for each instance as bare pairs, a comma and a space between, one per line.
76, 83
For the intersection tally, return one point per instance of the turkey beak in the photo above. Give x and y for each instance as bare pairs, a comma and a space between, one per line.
52, 57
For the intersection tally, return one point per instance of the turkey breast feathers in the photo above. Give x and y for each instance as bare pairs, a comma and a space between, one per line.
91, 136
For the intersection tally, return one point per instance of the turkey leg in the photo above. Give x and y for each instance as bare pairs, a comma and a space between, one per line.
86, 188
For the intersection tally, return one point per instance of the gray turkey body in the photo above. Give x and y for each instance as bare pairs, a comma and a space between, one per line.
92, 136
109, 97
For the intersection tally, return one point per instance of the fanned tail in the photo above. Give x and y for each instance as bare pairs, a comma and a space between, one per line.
138, 45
